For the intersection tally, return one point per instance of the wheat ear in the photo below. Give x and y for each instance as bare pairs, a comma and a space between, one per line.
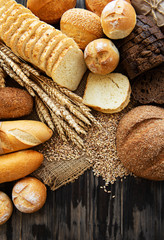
2, 78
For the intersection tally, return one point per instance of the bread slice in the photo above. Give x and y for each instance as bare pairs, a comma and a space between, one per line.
4, 6
69, 69
15, 26
18, 33
35, 37
27, 34
40, 44
62, 45
12, 18
107, 93
48, 49
5, 11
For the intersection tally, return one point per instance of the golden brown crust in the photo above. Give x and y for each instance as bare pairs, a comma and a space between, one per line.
101, 56
6, 208
140, 142
14, 103
29, 195
82, 25
16, 165
118, 19
50, 11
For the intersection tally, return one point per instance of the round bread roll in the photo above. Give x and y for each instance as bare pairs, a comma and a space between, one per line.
97, 6
118, 19
29, 195
6, 208
14, 103
82, 25
140, 142
101, 56
50, 11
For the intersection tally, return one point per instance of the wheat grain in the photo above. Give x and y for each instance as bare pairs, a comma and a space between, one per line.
2, 78
9, 53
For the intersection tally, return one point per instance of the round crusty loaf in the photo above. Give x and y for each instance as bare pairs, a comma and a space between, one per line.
140, 142
29, 195
14, 103
97, 6
101, 56
6, 208
50, 11
82, 25
17, 165
118, 19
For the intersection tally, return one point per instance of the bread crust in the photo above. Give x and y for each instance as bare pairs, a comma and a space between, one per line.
16, 165
118, 19
6, 208
140, 142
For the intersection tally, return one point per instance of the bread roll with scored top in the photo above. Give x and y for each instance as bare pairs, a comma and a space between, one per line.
101, 56
6, 208
118, 19
107, 93
22, 134
17, 165
82, 25
29, 195
140, 142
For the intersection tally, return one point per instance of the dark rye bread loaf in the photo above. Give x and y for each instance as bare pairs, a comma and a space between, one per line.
143, 49
140, 142
149, 86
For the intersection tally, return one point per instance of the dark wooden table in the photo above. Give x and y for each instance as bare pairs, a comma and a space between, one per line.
83, 211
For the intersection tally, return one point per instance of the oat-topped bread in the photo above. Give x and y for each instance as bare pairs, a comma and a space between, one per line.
140, 141
143, 49
107, 93
41, 44
149, 86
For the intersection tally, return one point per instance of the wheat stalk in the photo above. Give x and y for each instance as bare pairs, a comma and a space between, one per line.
60, 108
2, 78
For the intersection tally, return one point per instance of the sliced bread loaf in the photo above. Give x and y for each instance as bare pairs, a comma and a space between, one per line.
107, 93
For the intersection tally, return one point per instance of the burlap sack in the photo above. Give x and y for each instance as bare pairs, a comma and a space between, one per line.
152, 8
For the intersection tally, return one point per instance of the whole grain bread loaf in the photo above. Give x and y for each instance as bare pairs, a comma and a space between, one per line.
140, 142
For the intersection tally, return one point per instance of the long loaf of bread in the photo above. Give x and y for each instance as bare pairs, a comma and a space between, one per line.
19, 164
22, 134
41, 44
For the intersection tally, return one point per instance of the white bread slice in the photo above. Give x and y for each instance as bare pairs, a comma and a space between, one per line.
4, 6
41, 44
62, 45
27, 34
18, 33
69, 69
35, 37
5, 11
49, 47
16, 24
107, 93
12, 18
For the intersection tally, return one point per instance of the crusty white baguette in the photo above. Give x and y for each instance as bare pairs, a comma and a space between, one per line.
22, 134
16, 165
108, 93
25, 40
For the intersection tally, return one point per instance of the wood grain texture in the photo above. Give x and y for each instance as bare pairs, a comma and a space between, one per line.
134, 210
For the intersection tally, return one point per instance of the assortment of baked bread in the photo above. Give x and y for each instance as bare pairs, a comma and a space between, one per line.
140, 133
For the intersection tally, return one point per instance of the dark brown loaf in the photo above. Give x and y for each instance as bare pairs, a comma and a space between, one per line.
140, 142
14, 103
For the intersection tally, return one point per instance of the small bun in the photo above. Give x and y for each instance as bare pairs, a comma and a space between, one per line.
29, 195
118, 19
50, 11
101, 56
140, 142
82, 25
6, 208
97, 6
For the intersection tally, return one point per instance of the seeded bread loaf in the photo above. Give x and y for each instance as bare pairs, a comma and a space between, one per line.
140, 142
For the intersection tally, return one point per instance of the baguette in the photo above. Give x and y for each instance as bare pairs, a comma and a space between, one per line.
17, 165
22, 134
